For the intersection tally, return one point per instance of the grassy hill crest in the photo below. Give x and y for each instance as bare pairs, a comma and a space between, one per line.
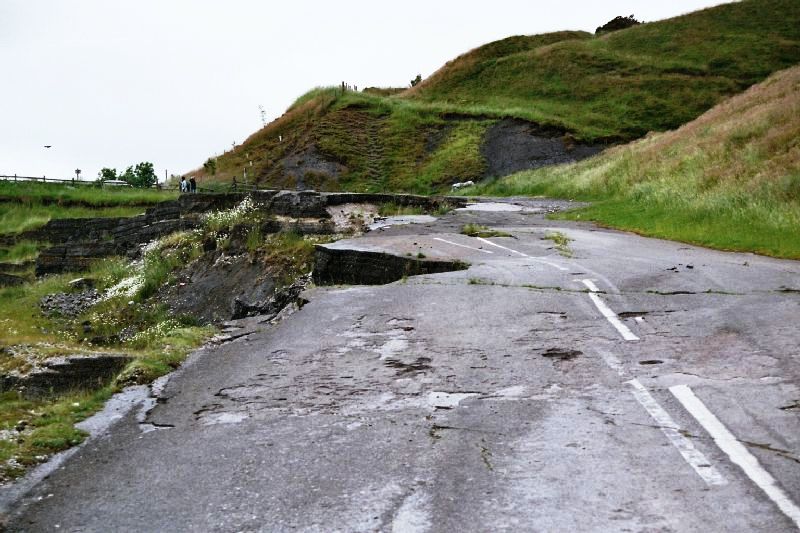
570, 86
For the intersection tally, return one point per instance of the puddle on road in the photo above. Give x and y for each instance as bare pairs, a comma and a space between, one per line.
448, 400
421, 364
224, 418
401, 220
561, 354
499, 207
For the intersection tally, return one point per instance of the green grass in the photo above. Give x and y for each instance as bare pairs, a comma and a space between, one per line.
19, 253
47, 427
16, 218
561, 242
478, 230
392, 209
28, 192
621, 85
728, 180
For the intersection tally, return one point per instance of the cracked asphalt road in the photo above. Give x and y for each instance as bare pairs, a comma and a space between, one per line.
503, 397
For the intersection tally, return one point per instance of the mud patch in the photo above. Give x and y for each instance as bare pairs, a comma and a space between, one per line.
632, 314
422, 364
561, 354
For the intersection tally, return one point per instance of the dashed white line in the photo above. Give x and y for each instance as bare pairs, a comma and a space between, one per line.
548, 263
728, 443
490, 243
610, 315
692, 455
463, 245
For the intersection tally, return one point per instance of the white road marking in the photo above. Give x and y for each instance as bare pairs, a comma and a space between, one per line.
590, 284
463, 245
692, 455
503, 247
613, 362
728, 443
548, 263
610, 315
412, 517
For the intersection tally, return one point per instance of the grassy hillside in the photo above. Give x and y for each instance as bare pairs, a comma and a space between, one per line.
730, 179
623, 84
607, 89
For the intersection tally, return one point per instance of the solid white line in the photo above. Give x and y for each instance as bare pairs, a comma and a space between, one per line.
590, 284
548, 263
736, 451
462, 245
692, 455
606, 311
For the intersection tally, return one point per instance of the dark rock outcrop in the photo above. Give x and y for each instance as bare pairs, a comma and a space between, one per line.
209, 288
66, 374
512, 145
10, 280
73, 257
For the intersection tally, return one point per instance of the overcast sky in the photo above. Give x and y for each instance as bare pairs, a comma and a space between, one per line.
113, 83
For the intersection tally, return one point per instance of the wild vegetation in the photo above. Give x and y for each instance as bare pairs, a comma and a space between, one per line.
610, 88
729, 180
129, 316
26, 206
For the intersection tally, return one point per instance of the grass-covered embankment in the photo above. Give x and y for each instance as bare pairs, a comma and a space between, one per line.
623, 84
728, 180
573, 85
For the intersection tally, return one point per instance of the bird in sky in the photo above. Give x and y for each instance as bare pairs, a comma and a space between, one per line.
48, 145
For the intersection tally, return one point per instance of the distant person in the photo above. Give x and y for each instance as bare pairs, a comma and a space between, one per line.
233, 185
193, 185
184, 185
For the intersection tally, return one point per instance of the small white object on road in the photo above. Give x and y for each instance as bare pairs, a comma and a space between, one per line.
740, 456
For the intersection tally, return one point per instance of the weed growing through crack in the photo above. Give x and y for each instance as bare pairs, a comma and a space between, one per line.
561, 241
392, 209
477, 230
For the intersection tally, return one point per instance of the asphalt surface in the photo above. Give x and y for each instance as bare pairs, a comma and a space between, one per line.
501, 398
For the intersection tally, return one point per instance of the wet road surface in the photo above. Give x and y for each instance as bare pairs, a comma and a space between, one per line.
624, 384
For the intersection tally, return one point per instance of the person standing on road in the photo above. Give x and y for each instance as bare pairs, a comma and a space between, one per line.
192, 185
